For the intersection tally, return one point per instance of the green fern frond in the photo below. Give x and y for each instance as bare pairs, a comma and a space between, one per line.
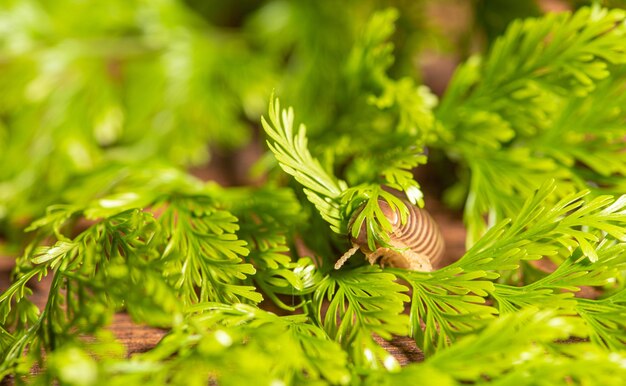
365, 299
291, 151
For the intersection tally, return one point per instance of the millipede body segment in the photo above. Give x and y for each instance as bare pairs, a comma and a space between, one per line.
416, 245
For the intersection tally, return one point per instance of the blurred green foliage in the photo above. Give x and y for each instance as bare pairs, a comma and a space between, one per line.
93, 87
106, 105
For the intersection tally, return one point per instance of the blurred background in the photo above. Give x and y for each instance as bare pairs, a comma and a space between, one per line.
92, 89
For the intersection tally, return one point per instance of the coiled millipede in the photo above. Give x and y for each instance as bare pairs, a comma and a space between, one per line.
416, 245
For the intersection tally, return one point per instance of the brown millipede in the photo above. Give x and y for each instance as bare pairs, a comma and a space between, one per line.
416, 245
